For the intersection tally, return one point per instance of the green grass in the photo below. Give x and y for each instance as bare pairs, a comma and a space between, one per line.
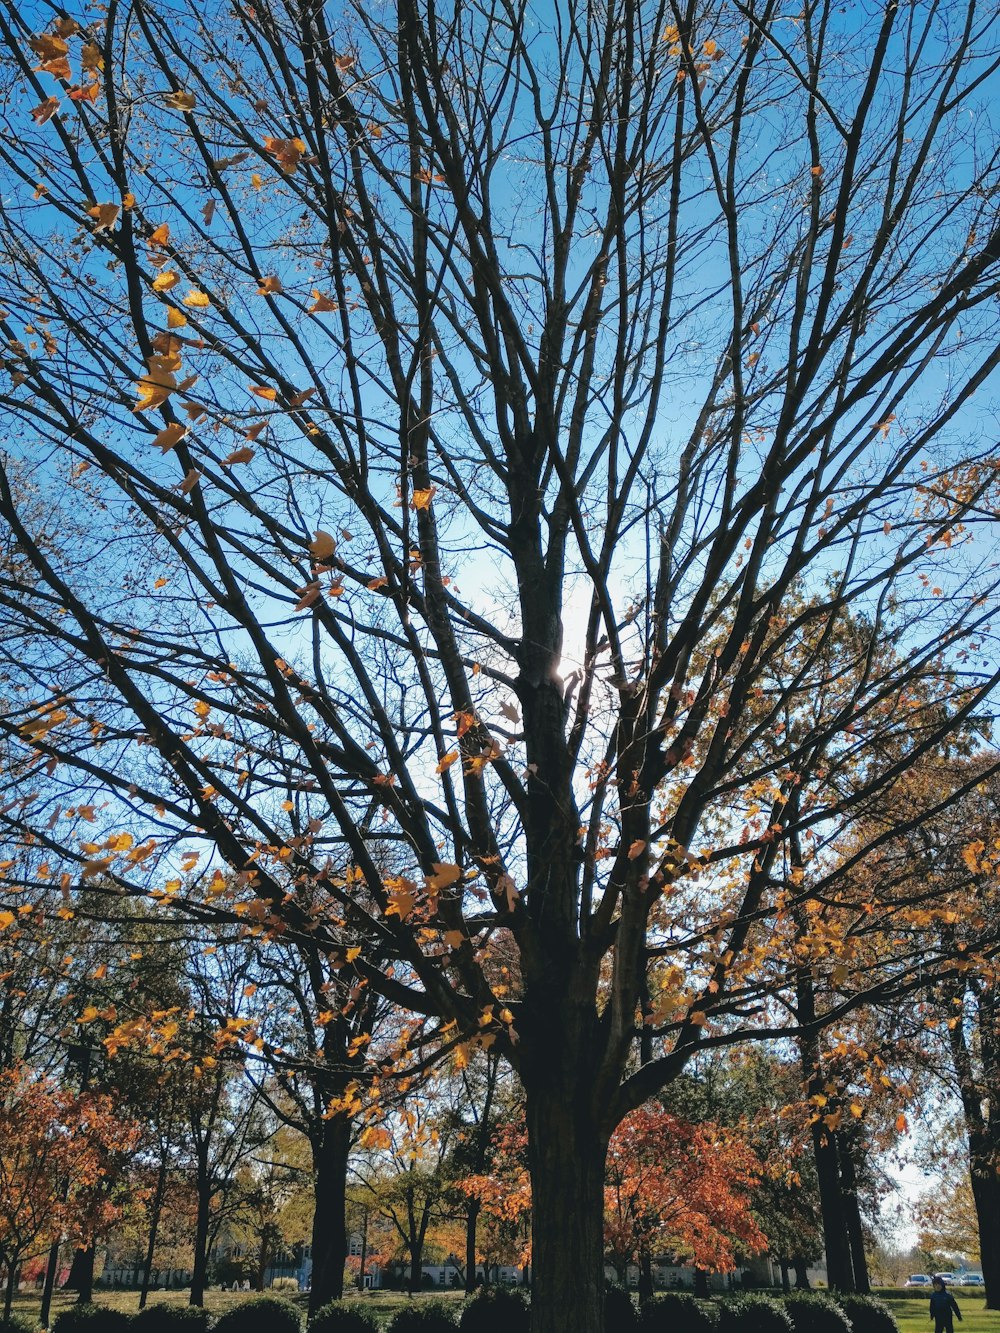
912, 1315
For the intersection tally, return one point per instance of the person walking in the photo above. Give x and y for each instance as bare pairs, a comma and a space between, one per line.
943, 1306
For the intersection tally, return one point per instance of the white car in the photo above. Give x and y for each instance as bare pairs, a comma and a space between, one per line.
918, 1280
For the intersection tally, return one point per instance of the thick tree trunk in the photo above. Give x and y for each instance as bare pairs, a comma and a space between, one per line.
839, 1264
852, 1215
81, 1275
567, 1161
329, 1229
801, 1275
199, 1268
645, 1274
986, 1195
415, 1280
471, 1225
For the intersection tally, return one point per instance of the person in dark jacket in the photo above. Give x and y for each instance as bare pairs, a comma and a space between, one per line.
943, 1306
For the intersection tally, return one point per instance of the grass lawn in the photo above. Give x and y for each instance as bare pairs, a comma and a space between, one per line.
912, 1315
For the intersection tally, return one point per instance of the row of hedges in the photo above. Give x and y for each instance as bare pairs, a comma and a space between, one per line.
500, 1310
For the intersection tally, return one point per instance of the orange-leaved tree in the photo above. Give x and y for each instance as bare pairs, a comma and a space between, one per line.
465, 429
61, 1167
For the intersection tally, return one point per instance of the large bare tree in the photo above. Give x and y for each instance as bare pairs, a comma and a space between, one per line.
562, 453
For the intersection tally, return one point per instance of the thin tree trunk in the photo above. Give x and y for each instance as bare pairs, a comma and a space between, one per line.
567, 1160
645, 1274
156, 1208
786, 1285
48, 1286
8, 1296
329, 1229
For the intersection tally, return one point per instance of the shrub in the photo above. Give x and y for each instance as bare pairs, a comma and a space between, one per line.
160, 1318
677, 1312
339, 1317
260, 1314
428, 1317
753, 1314
619, 1309
868, 1314
90, 1319
18, 1323
495, 1310
812, 1312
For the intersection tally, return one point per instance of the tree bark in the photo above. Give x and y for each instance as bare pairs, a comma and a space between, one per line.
471, 1225
567, 1160
852, 1214
786, 1285
81, 1275
801, 1275
199, 1269
156, 1208
986, 1196
51, 1268
839, 1265
329, 1230
8, 1295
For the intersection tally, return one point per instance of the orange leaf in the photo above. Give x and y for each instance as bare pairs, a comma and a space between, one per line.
45, 110
242, 455
164, 281
637, 848
322, 546
105, 214
307, 596
422, 499
446, 761
190, 481
269, 286
181, 100
264, 391
322, 304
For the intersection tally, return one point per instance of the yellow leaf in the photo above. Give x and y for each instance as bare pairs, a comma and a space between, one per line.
89, 1014
353, 952
181, 100
164, 281
106, 215
443, 875
99, 973
322, 546
202, 708
176, 319
322, 304
197, 300
160, 236
264, 391
119, 842
170, 436
422, 499
96, 867
446, 761
7, 919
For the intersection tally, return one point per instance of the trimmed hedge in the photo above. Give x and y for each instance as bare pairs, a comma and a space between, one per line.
428, 1317
261, 1314
495, 1310
868, 1314
751, 1313
338, 1317
677, 1312
90, 1319
619, 1309
813, 1312
161, 1318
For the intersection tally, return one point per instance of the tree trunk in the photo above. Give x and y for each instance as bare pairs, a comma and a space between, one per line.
801, 1275
701, 1284
852, 1215
839, 1265
199, 1269
645, 1274
986, 1195
566, 1160
81, 1275
415, 1281
156, 1207
471, 1225
8, 1295
48, 1286
329, 1229
786, 1285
